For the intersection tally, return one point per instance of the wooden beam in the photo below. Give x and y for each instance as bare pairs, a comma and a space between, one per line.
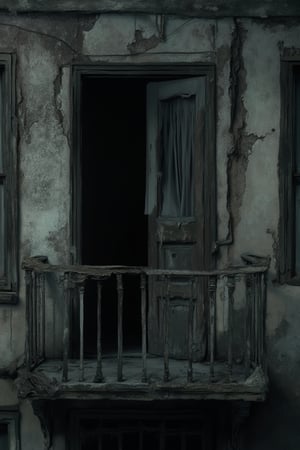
187, 8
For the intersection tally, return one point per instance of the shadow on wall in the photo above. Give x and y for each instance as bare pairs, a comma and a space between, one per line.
275, 424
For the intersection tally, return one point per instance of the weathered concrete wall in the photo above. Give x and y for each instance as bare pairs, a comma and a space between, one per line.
247, 160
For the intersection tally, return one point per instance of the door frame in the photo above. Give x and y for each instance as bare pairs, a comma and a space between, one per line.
154, 71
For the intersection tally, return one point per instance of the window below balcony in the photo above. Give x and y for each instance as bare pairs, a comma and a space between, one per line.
139, 429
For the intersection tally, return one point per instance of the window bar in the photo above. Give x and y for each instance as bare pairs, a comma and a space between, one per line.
183, 441
212, 327
120, 440
99, 375
144, 327
166, 329
100, 435
28, 283
190, 333
81, 330
141, 437
248, 281
66, 334
230, 286
120, 327
162, 436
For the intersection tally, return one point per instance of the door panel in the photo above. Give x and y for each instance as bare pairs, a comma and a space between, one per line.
175, 205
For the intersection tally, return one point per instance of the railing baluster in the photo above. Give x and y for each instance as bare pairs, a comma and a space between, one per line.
252, 324
120, 326
34, 319
212, 327
99, 374
255, 321
43, 318
81, 330
28, 283
66, 332
230, 287
38, 310
190, 333
263, 316
249, 306
144, 327
166, 329
259, 317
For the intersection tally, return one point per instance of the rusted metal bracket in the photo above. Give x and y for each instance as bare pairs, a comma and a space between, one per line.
227, 241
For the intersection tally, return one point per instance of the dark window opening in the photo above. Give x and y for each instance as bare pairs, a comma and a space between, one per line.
142, 434
4, 436
289, 170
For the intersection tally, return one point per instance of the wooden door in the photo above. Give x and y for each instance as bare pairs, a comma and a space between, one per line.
175, 204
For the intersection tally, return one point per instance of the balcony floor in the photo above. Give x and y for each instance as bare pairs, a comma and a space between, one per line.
223, 387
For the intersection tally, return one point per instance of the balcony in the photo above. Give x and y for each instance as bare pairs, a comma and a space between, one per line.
59, 364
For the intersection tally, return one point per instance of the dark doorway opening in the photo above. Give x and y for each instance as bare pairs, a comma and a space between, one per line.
114, 227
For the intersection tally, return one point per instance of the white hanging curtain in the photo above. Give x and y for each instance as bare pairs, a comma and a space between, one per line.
177, 152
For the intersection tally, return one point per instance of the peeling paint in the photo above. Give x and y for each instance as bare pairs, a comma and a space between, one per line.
141, 44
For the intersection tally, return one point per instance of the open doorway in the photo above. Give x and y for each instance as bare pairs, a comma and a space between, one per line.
121, 113
114, 227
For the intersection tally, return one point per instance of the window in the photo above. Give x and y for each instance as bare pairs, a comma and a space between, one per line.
140, 430
8, 219
9, 430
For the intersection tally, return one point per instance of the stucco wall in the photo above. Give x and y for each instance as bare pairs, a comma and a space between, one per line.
247, 189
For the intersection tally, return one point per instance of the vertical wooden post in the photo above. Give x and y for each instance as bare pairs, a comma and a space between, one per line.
249, 305
28, 283
144, 327
230, 287
212, 327
166, 328
99, 374
81, 330
190, 333
66, 333
120, 327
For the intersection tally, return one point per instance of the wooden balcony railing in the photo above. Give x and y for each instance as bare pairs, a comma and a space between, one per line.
224, 289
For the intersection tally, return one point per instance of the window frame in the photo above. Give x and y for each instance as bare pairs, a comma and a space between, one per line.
8, 283
147, 70
11, 418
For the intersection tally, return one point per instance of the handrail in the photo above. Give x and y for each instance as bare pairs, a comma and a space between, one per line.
38, 265
204, 286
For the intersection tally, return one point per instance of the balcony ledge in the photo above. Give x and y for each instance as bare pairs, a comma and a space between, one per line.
41, 384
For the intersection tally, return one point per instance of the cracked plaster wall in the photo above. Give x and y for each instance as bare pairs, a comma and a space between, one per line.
46, 46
